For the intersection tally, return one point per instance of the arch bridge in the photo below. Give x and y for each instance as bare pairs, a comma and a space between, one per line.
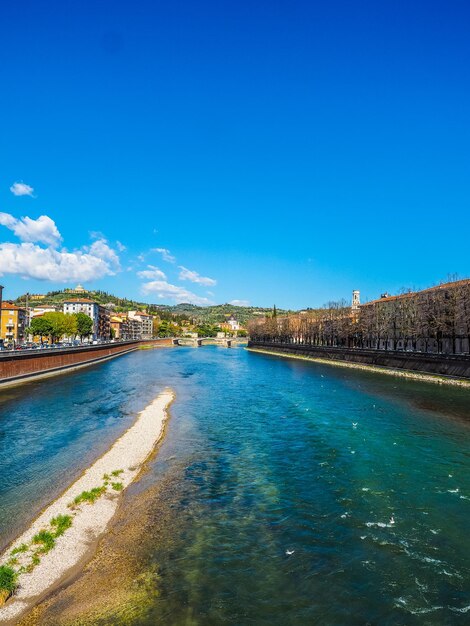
228, 342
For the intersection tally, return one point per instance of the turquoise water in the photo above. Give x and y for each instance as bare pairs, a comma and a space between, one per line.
296, 493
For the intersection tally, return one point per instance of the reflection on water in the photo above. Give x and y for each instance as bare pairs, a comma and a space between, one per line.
291, 493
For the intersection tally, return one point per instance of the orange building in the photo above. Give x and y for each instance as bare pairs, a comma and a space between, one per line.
13, 324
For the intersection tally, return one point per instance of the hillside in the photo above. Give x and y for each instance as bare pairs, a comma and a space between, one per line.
212, 314
216, 313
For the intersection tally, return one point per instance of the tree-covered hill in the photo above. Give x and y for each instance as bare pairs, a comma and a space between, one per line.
214, 314
217, 313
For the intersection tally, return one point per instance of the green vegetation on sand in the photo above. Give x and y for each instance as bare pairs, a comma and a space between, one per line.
8, 578
45, 539
60, 524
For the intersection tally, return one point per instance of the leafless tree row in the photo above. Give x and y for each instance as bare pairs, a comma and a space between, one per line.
433, 320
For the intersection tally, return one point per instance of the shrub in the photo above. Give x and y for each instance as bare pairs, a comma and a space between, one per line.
61, 523
117, 486
116, 472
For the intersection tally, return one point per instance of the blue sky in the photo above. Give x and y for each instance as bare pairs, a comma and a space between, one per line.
282, 152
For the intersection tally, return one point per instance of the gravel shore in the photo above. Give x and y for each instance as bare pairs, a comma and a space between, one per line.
89, 520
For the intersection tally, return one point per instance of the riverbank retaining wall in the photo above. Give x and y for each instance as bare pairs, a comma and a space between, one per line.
456, 366
16, 367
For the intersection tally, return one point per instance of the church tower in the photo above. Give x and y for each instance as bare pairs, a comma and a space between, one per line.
356, 300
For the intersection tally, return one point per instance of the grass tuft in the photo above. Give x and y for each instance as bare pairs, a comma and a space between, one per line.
89, 496
35, 560
117, 486
45, 539
117, 472
61, 523
22, 548
8, 578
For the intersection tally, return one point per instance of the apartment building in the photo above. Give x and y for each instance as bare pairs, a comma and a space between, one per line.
13, 324
99, 314
146, 322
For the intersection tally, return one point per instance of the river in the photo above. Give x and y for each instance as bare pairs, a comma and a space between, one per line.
296, 493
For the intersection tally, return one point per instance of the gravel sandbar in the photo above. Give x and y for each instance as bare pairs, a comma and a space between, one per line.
90, 521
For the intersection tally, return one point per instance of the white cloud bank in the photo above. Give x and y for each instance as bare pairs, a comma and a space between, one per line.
42, 230
152, 272
166, 291
194, 277
21, 189
30, 260
166, 254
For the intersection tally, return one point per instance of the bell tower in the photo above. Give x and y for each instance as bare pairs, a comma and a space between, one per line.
356, 300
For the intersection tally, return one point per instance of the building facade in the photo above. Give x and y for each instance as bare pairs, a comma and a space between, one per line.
104, 323
99, 314
120, 326
146, 321
434, 320
13, 324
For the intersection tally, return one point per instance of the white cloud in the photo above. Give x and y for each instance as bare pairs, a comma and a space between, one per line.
240, 302
120, 246
166, 291
31, 261
96, 234
101, 250
166, 254
21, 189
42, 230
8, 220
194, 277
152, 272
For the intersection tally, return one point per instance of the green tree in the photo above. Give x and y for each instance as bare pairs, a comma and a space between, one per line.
168, 329
70, 325
207, 330
163, 328
40, 327
84, 325
58, 324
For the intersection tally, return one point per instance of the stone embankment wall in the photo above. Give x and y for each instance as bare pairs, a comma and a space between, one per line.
457, 366
16, 367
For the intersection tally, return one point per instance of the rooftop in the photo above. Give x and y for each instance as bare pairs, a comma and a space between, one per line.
12, 307
443, 286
